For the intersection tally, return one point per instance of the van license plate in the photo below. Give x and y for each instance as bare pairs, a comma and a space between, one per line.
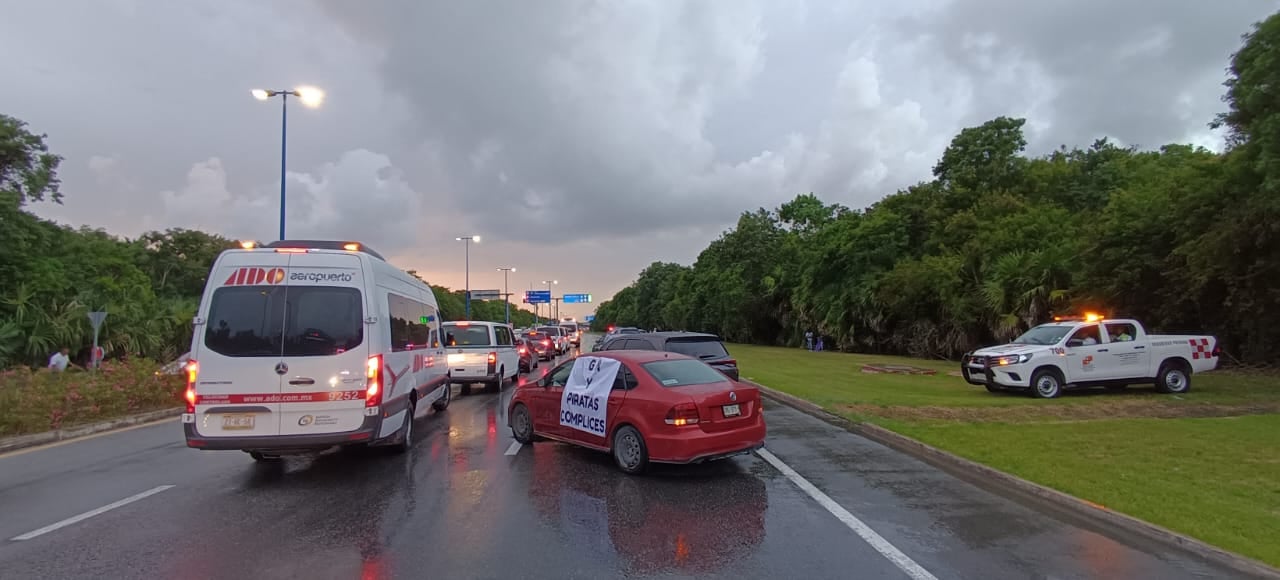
732, 411
237, 422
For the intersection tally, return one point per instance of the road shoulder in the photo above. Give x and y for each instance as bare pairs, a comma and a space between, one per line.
20, 442
990, 478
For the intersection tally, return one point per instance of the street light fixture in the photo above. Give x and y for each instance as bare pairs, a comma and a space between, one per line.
468, 240
506, 293
310, 97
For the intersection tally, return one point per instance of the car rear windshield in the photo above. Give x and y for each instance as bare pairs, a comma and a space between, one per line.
467, 335
248, 321
681, 372
699, 348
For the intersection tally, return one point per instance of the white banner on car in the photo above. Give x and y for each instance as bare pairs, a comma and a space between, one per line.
586, 395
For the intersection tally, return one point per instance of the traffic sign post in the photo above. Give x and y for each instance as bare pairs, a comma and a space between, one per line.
577, 298
589, 318
96, 318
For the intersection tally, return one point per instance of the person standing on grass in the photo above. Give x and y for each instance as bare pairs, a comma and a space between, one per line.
59, 361
808, 340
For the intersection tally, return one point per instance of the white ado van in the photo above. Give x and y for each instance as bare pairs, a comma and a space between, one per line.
300, 346
481, 352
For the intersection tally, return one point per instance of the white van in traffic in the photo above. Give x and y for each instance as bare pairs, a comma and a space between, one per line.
300, 346
481, 352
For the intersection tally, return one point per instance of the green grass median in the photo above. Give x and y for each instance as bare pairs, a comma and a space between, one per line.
1205, 463
33, 401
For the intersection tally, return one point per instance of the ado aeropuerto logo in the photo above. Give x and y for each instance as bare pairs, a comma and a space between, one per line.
253, 276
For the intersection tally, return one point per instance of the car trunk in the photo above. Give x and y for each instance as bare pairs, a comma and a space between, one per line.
717, 402
276, 349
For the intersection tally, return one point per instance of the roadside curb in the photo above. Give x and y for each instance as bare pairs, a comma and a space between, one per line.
973, 470
35, 439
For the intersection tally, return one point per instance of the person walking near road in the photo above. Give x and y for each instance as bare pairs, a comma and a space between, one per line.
59, 361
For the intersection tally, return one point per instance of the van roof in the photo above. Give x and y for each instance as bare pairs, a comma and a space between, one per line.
326, 245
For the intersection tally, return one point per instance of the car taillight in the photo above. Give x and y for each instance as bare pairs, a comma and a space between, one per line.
523, 350
373, 382
546, 343
193, 369
728, 361
682, 414
493, 357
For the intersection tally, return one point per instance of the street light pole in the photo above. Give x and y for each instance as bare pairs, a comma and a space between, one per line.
549, 283
506, 292
467, 241
311, 97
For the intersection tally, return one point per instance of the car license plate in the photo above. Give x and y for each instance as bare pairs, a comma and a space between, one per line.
732, 411
237, 422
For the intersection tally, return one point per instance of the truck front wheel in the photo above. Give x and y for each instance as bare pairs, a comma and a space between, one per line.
1173, 378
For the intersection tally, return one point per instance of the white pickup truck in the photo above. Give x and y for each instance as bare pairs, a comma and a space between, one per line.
1111, 353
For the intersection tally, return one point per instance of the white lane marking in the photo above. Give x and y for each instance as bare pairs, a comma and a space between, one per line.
902, 561
91, 513
514, 448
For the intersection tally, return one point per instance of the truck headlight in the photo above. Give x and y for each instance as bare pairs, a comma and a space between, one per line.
1012, 359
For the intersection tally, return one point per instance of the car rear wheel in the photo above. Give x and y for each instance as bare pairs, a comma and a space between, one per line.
521, 424
406, 432
443, 402
629, 450
465, 389
1173, 378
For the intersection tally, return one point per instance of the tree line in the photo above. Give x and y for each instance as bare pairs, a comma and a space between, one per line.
52, 275
1180, 237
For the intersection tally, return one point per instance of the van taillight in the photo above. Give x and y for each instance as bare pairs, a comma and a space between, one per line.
682, 414
373, 384
193, 369
493, 357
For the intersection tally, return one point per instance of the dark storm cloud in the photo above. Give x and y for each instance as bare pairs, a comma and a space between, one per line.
1146, 73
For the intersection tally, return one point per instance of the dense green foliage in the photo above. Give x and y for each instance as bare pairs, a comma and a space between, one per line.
51, 276
1181, 238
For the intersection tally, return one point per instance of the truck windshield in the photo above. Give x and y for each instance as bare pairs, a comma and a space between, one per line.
1044, 334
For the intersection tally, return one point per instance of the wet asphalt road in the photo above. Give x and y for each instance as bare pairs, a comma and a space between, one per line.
460, 506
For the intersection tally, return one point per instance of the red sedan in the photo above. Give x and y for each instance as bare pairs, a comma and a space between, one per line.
657, 406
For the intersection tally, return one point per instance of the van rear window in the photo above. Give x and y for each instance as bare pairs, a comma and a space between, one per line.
466, 335
250, 321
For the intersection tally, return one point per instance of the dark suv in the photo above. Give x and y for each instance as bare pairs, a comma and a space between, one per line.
707, 348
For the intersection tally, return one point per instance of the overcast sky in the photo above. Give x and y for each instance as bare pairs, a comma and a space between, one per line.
581, 140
